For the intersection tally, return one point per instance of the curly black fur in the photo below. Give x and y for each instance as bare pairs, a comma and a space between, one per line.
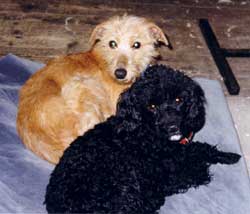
128, 164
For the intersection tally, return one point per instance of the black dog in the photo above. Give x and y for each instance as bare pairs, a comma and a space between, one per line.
129, 163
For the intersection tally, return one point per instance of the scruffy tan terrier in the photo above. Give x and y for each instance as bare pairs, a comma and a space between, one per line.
73, 93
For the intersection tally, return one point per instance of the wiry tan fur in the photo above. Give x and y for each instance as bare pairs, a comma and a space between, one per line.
73, 93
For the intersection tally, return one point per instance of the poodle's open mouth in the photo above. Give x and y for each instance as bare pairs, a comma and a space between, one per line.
175, 137
171, 136
174, 133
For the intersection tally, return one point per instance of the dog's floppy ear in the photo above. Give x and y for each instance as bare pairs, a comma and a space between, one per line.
158, 35
127, 112
195, 119
96, 34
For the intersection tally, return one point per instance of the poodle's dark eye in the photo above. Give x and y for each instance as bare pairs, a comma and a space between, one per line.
178, 100
112, 44
152, 107
136, 45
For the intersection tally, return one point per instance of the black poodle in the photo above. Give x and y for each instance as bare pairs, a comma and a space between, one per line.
145, 152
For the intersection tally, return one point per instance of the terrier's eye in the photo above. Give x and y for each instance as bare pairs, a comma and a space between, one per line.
178, 100
112, 44
152, 107
136, 45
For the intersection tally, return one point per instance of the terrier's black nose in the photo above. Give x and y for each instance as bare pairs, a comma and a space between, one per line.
120, 73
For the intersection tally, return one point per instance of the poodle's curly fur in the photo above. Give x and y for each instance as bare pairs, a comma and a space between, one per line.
129, 163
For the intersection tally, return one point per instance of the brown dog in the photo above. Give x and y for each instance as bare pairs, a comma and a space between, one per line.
73, 93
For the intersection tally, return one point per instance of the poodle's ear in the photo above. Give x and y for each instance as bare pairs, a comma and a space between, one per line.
127, 112
195, 119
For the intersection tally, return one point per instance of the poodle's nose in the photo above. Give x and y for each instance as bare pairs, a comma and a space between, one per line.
173, 129
120, 73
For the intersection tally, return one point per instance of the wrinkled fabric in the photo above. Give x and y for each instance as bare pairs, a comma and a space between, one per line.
24, 176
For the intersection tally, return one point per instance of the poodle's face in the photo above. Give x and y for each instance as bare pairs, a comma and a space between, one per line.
165, 100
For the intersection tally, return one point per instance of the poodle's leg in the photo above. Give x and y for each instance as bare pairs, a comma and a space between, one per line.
223, 157
212, 155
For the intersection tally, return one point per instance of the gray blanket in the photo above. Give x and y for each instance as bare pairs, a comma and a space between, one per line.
24, 176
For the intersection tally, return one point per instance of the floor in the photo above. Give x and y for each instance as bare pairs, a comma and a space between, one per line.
41, 30
239, 107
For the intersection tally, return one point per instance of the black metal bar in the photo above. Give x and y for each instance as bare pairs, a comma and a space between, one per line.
219, 57
236, 52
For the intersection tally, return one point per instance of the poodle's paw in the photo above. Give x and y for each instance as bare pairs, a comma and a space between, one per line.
227, 158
